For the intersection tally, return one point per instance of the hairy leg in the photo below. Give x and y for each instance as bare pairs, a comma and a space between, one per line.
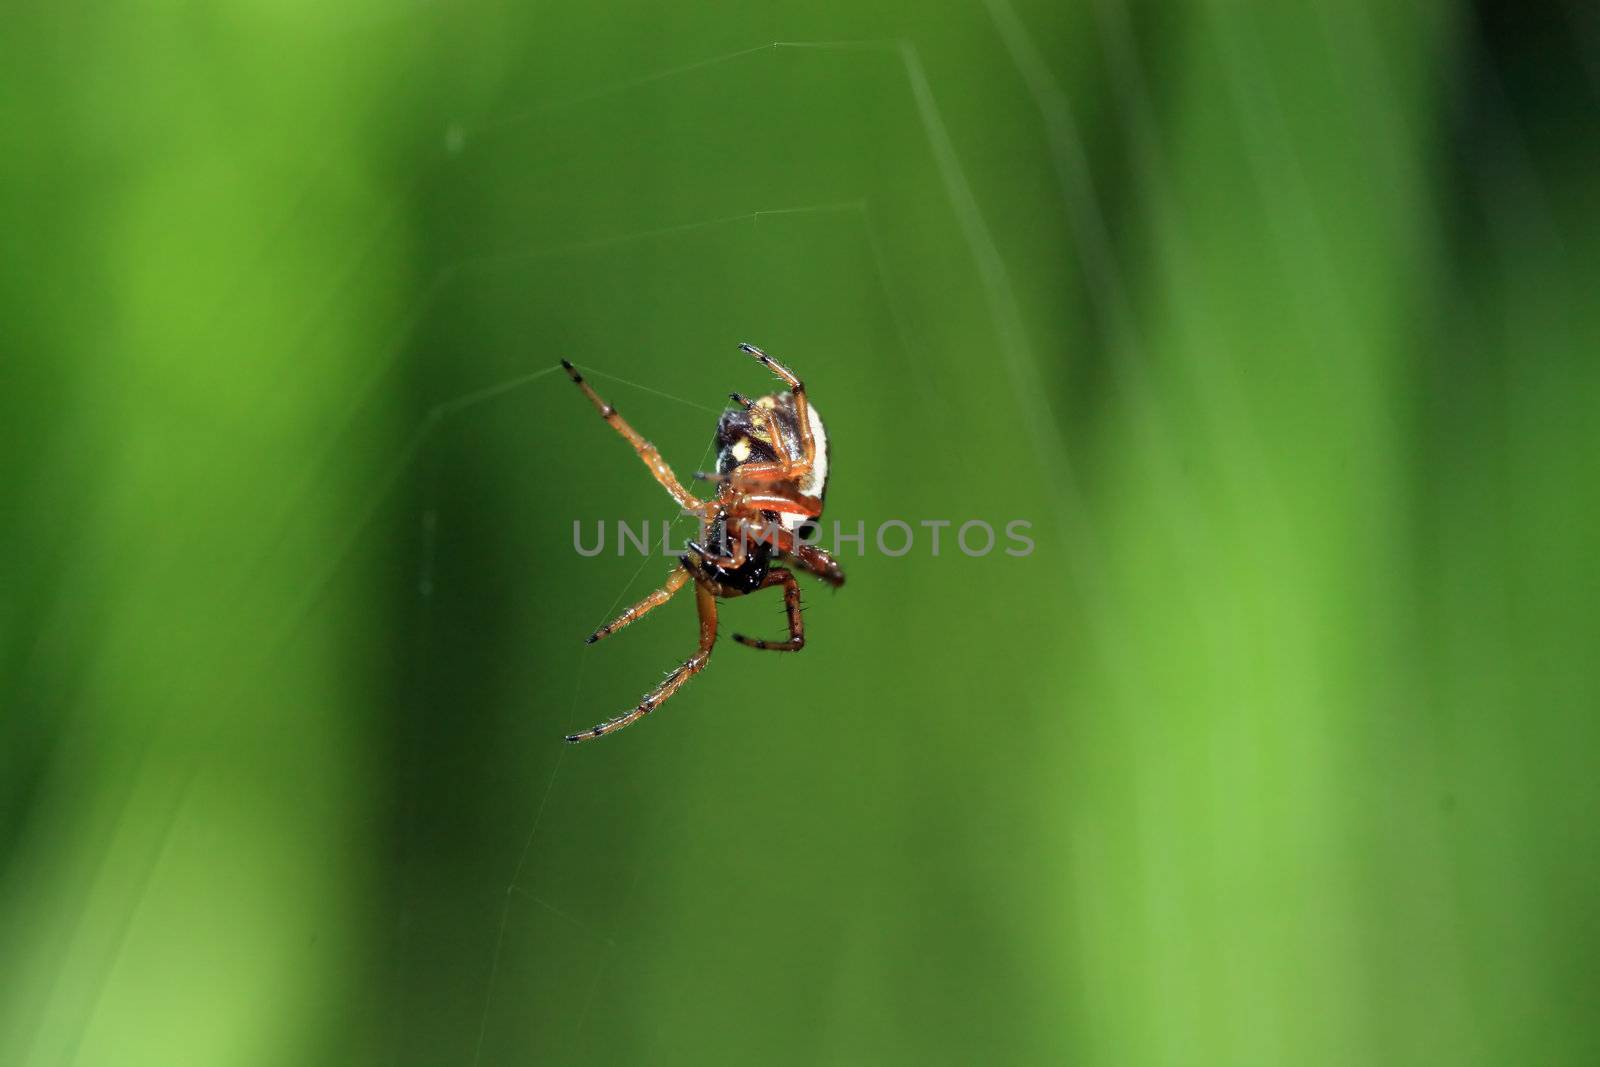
675, 581
686, 670
647, 451
791, 603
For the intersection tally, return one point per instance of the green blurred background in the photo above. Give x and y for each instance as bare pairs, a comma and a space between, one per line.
1277, 321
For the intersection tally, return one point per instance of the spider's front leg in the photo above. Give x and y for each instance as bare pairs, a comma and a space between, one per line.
707, 605
802, 407
787, 467
647, 451
791, 604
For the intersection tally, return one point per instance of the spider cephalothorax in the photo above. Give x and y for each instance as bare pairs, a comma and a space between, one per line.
771, 478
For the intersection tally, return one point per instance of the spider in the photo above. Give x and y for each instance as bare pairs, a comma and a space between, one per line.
771, 478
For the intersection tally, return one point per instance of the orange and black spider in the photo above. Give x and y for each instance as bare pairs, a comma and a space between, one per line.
771, 477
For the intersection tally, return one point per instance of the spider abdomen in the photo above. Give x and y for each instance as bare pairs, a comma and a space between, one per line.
746, 437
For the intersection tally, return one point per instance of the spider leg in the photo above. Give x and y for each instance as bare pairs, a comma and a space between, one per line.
798, 388
675, 581
789, 467
647, 451
791, 603
743, 530
744, 526
785, 504
707, 605
738, 553
785, 468
817, 562
750, 529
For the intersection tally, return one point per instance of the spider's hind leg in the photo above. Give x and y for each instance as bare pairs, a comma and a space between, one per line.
686, 670
675, 581
791, 604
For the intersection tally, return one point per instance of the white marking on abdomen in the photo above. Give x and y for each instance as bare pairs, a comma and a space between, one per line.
813, 483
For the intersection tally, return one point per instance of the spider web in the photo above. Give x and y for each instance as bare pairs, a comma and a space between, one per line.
591, 893
837, 856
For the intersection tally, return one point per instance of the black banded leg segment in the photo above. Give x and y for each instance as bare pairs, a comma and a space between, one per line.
802, 409
791, 603
675, 581
707, 604
647, 451
786, 467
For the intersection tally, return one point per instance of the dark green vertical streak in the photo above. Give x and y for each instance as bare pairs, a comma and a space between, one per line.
1508, 397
